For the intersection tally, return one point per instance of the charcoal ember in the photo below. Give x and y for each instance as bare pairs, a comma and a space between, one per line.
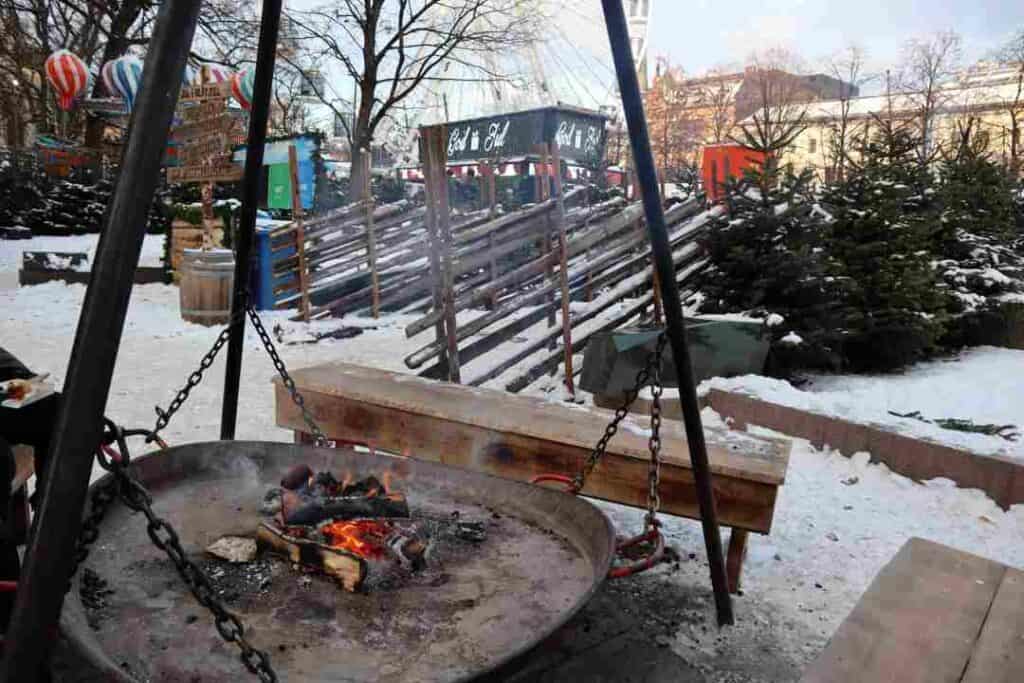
408, 547
363, 487
474, 532
271, 504
297, 477
305, 510
325, 484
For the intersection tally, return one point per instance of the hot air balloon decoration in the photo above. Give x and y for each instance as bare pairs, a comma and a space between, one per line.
212, 73
188, 77
126, 77
241, 88
107, 76
68, 76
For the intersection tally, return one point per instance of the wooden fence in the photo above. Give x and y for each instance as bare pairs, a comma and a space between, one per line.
510, 297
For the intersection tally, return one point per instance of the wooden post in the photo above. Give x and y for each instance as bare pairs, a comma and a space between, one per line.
656, 298
438, 161
426, 137
492, 189
300, 233
545, 244
563, 262
371, 239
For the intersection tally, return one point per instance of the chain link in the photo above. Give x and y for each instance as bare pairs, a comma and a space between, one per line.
164, 416
318, 436
643, 378
134, 495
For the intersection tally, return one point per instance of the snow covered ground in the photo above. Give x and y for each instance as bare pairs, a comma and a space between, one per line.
983, 384
837, 522
11, 250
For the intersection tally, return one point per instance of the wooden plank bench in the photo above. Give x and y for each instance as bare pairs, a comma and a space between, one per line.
933, 614
520, 437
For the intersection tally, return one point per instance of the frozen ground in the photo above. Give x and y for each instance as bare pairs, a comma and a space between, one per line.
838, 519
983, 384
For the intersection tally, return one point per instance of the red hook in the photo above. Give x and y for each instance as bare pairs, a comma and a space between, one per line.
644, 563
570, 485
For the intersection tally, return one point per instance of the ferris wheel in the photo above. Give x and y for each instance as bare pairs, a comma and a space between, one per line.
569, 63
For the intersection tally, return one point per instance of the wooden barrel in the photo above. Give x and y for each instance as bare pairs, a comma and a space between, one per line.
205, 287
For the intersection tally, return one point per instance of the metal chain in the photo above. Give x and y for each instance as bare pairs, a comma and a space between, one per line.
652, 367
164, 416
654, 443
135, 496
318, 436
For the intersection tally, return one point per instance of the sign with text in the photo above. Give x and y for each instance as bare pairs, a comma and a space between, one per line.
226, 123
207, 173
210, 91
580, 135
202, 149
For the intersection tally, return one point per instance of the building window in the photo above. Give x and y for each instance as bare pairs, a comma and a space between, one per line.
812, 146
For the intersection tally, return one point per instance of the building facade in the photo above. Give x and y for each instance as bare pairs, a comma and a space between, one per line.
686, 114
987, 101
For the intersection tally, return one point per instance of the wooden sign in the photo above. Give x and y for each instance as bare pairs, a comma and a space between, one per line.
224, 123
219, 173
210, 91
201, 150
208, 109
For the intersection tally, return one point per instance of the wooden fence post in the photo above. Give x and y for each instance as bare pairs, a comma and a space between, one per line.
437, 159
563, 257
300, 233
436, 280
371, 238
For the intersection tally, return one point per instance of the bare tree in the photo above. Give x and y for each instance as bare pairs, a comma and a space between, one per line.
928, 66
848, 67
774, 94
391, 47
97, 31
718, 96
1012, 53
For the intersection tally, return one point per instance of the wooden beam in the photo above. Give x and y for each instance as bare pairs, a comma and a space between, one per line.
300, 233
520, 437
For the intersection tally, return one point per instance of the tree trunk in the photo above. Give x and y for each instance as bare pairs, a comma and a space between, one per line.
117, 45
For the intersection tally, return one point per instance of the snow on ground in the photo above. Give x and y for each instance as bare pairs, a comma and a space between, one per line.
983, 384
837, 522
11, 250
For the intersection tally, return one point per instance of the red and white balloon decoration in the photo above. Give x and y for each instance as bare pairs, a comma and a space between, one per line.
68, 75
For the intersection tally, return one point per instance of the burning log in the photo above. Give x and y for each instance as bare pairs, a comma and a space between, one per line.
346, 567
303, 510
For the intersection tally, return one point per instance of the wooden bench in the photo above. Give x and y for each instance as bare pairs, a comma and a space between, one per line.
933, 614
519, 437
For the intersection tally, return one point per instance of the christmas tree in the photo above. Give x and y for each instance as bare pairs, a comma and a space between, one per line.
891, 305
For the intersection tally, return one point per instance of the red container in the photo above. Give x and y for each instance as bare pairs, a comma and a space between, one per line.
724, 161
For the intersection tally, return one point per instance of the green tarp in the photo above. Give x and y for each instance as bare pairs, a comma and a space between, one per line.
718, 348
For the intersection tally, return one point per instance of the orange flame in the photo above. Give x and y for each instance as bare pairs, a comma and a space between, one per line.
362, 537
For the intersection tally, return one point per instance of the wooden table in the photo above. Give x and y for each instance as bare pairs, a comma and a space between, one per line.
520, 437
932, 614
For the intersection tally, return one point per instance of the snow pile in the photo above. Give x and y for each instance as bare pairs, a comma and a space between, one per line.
981, 384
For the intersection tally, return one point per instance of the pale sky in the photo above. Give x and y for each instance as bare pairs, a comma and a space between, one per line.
699, 34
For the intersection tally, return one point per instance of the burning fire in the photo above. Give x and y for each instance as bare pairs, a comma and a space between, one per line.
362, 537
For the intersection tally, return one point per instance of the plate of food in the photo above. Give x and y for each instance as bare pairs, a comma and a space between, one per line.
18, 393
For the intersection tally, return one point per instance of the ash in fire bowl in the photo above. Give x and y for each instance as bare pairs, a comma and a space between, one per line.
360, 532
469, 575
